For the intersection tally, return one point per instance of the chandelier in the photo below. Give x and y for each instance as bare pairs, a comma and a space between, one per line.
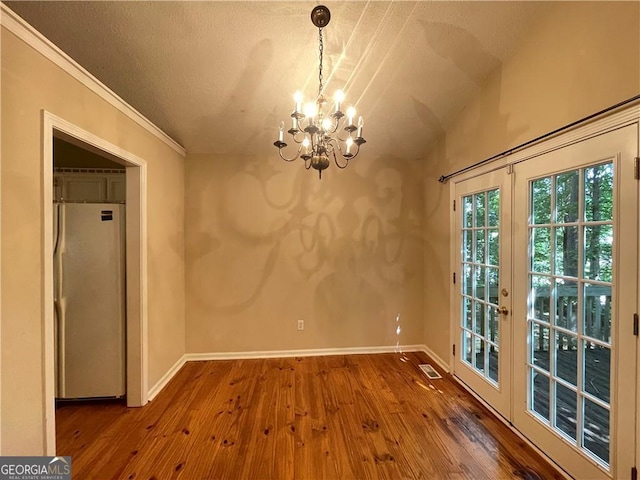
319, 133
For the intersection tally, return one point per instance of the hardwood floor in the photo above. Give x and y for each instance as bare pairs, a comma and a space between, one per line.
337, 417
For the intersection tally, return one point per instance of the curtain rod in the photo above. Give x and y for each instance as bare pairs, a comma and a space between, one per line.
444, 178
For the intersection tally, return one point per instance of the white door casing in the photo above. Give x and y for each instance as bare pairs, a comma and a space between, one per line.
136, 265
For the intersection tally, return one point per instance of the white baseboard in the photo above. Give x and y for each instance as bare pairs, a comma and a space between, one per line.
314, 352
155, 390
441, 363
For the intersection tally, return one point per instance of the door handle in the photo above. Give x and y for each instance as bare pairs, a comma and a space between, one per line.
503, 310
59, 328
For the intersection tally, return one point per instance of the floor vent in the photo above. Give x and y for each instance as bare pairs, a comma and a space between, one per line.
429, 371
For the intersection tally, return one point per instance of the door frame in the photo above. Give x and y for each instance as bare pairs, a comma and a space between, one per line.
136, 265
609, 121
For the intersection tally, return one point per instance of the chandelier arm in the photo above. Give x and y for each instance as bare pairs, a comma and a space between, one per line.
335, 159
330, 145
288, 159
345, 157
343, 140
298, 137
334, 144
335, 126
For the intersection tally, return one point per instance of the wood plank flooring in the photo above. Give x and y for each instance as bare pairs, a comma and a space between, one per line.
335, 417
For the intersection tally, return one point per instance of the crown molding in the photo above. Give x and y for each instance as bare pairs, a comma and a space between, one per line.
29, 35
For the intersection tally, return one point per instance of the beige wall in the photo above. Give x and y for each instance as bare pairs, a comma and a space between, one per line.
268, 244
31, 83
581, 58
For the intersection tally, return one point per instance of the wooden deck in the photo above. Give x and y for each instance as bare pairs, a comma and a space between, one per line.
338, 417
597, 364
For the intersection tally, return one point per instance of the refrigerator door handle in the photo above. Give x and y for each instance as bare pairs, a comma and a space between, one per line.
58, 222
59, 281
59, 336
58, 252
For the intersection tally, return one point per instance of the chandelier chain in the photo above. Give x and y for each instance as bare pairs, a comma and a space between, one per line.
321, 48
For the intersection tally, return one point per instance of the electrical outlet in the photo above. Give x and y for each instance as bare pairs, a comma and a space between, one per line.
300, 324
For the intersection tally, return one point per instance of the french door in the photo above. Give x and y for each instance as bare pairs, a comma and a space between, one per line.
483, 330
576, 264
544, 309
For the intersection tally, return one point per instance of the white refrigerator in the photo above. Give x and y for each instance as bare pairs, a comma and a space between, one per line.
89, 300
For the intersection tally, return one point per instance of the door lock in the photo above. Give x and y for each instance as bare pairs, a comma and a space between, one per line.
503, 310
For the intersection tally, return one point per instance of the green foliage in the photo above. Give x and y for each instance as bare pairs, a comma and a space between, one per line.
556, 210
570, 210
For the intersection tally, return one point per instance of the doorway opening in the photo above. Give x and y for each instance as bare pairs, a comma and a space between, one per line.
59, 130
89, 196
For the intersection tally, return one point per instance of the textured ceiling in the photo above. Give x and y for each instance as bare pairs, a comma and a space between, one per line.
219, 76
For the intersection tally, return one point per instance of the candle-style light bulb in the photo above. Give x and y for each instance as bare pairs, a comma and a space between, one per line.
281, 132
349, 143
360, 125
310, 111
351, 112
305, 144
338, 97
297, 97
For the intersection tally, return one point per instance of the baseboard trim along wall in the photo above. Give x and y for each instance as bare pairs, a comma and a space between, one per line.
316, 352
157, 388
439, 361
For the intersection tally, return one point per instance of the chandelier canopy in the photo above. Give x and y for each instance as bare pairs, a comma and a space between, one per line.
319, 133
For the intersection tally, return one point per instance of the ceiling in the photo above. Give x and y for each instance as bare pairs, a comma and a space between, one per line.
218, 76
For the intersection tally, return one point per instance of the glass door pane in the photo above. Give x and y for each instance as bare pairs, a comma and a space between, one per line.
570, 282
480, 237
